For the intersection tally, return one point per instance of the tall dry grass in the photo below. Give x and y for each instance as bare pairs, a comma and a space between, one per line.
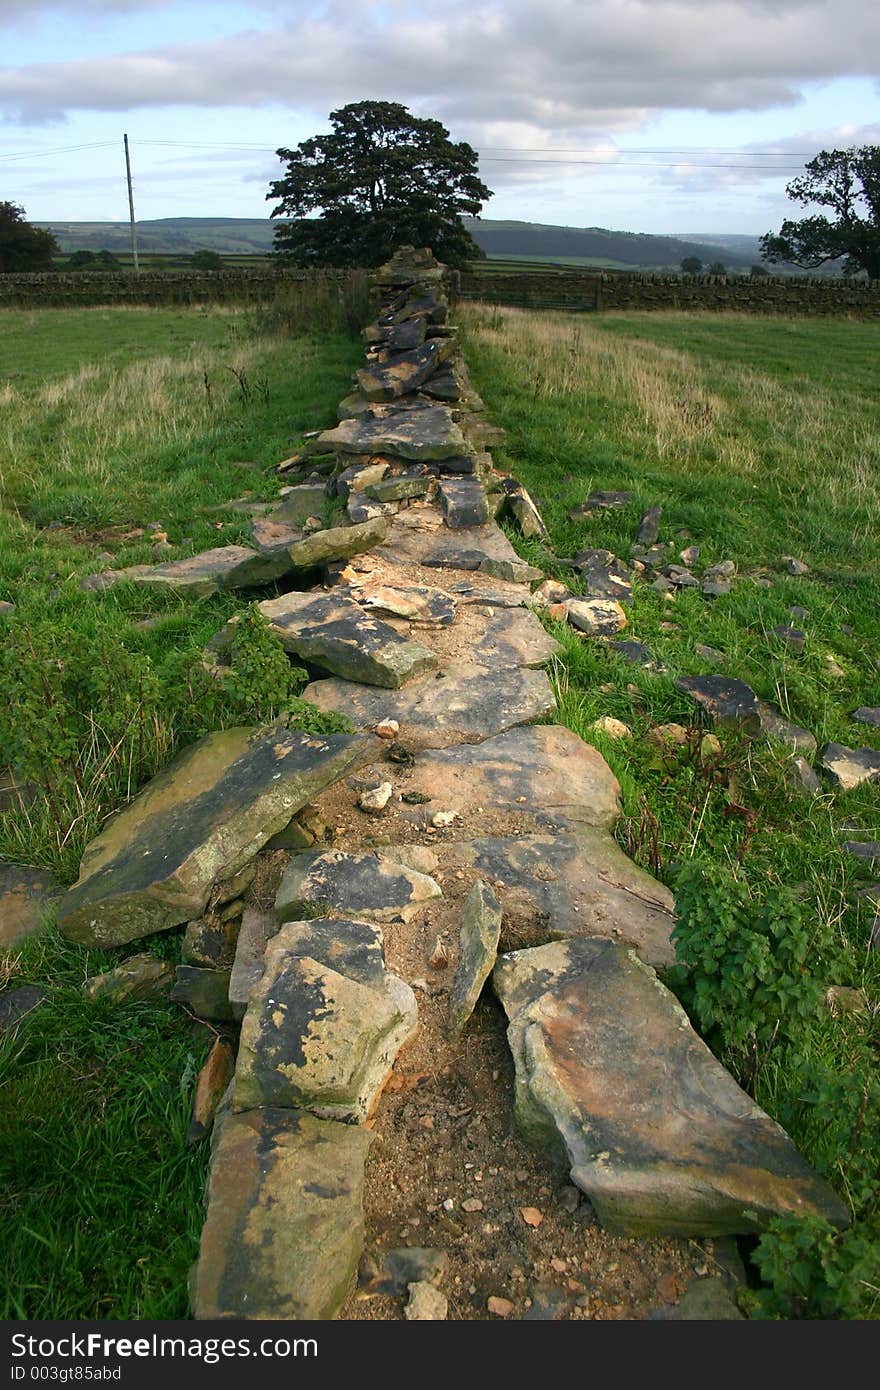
720, 416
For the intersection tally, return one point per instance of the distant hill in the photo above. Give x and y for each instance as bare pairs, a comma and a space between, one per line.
587, 246
597, 246
231, 236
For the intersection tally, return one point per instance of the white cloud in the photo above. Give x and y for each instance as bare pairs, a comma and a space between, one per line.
540, 65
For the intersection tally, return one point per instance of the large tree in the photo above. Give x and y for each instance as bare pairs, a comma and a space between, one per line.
848, 183
382, 179
23, 247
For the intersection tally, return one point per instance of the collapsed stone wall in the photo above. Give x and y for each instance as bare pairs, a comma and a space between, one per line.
582, 290
450, 815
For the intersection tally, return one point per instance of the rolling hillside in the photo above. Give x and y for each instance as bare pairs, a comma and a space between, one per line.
504, 240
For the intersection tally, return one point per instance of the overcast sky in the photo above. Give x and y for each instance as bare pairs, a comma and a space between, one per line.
641, 115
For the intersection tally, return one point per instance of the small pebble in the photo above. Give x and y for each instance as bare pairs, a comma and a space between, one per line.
376, 799
387, 728
501, 1307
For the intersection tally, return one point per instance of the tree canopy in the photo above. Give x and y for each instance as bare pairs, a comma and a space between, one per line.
204, 259
92, 260
692, 265
847, 182
23, 247
383, 178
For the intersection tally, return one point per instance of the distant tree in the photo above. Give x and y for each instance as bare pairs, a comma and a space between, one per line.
206, 260
23, 247
382, 179
91, 260
692, 265
758, 272
717, 268
848, 183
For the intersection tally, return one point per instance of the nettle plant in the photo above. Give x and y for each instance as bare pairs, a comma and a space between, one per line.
263, 684
745, 964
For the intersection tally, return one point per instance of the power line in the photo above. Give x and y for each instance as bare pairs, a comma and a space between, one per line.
511, 155
62, 149
684, 149
637, 164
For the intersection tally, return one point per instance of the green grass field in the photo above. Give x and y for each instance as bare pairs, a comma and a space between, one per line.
760, 438
110, 420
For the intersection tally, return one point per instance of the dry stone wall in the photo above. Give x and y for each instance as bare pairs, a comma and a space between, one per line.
584, 291
449, 838
85, 288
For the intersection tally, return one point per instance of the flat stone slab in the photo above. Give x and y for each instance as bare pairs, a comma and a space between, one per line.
551, 887
359, 476
143, 976
225, 567
403, 371
775, 725
27, 901
729, 703
867, 714
351, 947
545, 771
319, 1037
511, 637
603, 575
595, 617
733, 704
657, 1133
520, 506
257, 928
424, 435
869, 850
300, 502
16, 1004
464, 503
850, 767
469, 704
285, 1225
196, 824
337, 543
213, 1079
420, 537
649, 526
336, 634
203, 992
270, 535
417, 603
365, 885
501, 595
400, 487
479, 937
634, 653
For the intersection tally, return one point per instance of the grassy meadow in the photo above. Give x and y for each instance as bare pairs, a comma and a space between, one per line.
113, 421
760, 439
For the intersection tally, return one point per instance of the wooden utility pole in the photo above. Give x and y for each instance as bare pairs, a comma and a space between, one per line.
134, 247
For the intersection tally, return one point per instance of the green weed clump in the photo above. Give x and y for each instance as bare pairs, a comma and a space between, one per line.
262, 684
753, 969
747, 964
